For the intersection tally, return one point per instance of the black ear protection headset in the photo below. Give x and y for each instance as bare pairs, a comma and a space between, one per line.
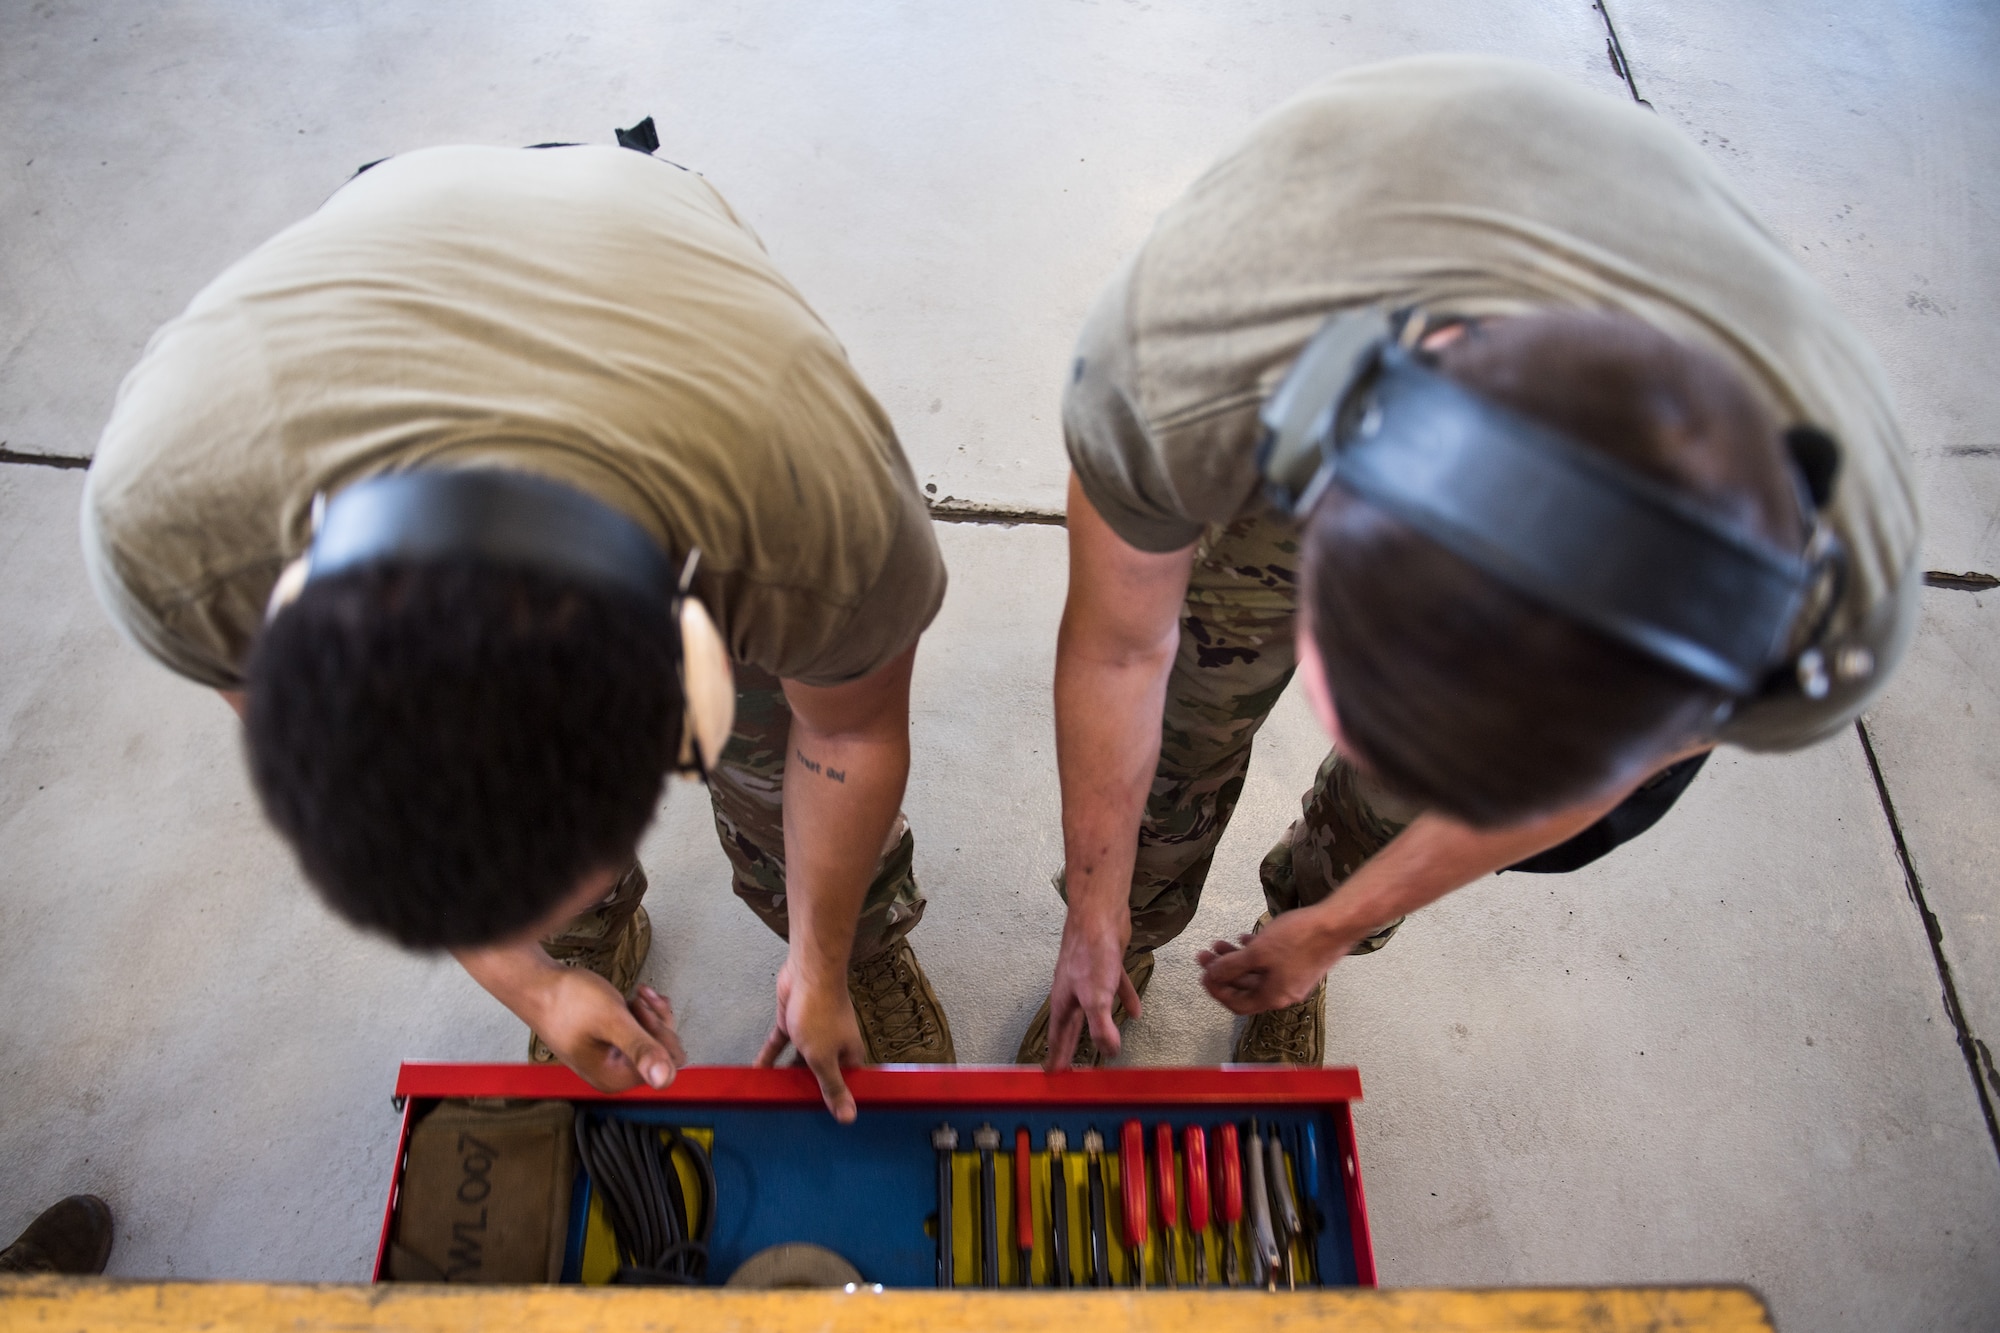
512, 518
1557, 521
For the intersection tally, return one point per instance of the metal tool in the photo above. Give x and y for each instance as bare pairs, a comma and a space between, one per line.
1230, 1181
1132, 1182
1100, 1225
1024, 1207
1059, 1270
1166, 1178
1194, 1147
1261, 1234
1310, 1216
945, 1139
1284, 1209
987, 1140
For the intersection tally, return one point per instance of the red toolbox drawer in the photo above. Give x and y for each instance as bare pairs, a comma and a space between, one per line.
787, 1172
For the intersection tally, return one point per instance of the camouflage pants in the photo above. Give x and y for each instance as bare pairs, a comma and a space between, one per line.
747, 792
1235, 658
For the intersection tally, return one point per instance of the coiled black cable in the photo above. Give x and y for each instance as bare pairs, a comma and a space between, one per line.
632, 1165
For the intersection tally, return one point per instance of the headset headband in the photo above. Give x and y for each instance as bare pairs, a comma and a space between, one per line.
512, 518
1561, 523
509, 518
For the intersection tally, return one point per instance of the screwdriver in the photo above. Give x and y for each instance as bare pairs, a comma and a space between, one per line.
1059, 1271
1100, 1225
1260, 1209
1284, 1209
1195, 1149
1309, 1213
1170, 1212
945, 1139
1230, 1180
1024, 1206
987, 1140
1132, 1177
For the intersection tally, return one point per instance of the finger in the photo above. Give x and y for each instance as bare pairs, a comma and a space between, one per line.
1103, 1030
1230, 964
645, 1055
657, 1017
832, 1087
1065, 1025
774, 1046
611, 1073
1128, 994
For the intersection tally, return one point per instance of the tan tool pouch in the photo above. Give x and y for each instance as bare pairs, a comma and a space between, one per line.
486, 1193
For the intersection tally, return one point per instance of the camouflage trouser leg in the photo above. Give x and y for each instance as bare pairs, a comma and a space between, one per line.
747, 790
1235, 658
1338, 828
597, 930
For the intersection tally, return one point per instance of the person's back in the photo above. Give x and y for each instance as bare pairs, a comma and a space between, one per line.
589, 468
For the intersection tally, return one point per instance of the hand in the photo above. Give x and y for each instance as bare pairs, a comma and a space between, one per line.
1278, 966
611, 1045
1090, 978
820, 1025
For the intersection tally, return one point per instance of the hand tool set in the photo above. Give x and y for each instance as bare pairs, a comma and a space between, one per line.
1278, 1231
1123, 1178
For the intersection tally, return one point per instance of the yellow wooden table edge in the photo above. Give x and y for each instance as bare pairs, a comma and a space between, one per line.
50, 1303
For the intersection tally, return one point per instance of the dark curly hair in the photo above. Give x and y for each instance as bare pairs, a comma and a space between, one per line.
1473, 699
451, 746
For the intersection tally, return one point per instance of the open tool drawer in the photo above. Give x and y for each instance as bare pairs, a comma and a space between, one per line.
786, 1172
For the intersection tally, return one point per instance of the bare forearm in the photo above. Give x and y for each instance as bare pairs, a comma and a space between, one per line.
517, 975
842, 792
1433, 857
1108, 710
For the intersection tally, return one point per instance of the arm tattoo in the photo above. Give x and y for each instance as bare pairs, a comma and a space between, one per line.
814, 766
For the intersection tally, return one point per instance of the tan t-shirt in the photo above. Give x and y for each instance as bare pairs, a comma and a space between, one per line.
1476, 187
591, 315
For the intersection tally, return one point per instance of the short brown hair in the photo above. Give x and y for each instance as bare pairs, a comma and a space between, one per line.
1476, 700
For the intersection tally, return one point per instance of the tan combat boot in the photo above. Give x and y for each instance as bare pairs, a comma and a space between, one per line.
1035, 1045
901, 1021
618, 963
1294, 1035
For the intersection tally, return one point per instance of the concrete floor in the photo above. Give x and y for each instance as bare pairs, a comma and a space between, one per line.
1725, 1054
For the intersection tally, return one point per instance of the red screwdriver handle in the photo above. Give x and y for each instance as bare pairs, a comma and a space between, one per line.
1024, 1199
1164, 1173
1132, 1177
1232, 1174
1196, 1152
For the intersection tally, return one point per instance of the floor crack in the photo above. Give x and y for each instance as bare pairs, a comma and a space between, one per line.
43, 460
1969, 581
951, 509
1978, 1060
1621, 64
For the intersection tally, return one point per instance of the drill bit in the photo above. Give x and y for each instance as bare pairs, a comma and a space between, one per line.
1170, 1211
1024, 1207
987, 1140
1229, 1180
1100, 1226
1195, 1150
1059, 1270
1132, 1181
945, 1140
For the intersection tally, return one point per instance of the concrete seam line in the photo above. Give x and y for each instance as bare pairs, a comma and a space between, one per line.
42, 460
1621, 64
1969, 1045
951, 509
1970, 581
